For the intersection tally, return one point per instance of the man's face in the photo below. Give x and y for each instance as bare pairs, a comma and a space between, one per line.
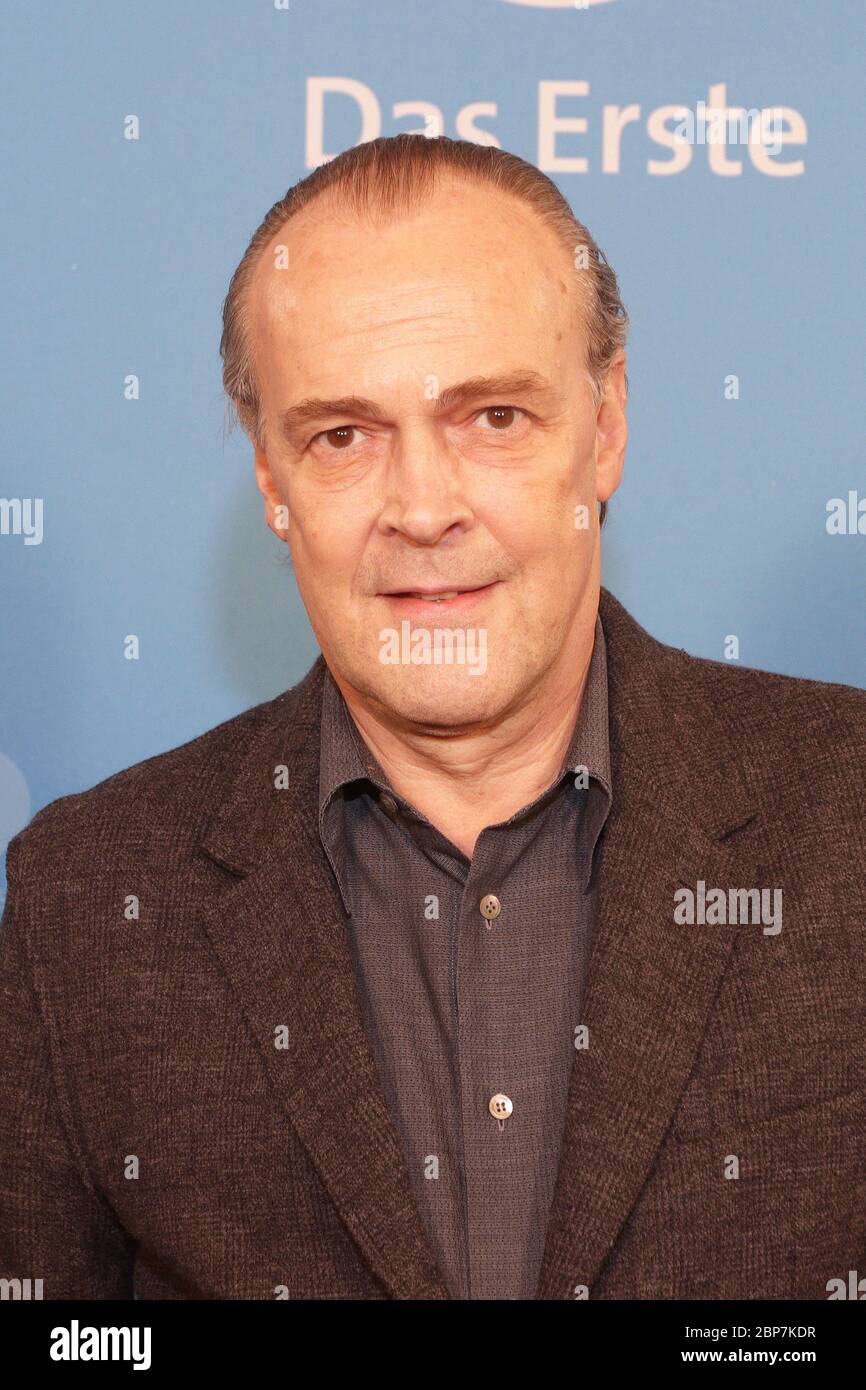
435, 484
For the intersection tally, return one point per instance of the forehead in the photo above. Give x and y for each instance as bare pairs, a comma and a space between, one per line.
469, 262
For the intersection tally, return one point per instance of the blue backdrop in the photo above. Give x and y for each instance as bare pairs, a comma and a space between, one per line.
741, 270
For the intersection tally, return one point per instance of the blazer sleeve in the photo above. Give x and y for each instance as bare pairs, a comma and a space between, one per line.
54, 1225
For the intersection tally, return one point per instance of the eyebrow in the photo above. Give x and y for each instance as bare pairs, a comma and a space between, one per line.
521, 385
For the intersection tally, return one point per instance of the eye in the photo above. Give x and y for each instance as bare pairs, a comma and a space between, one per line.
338, 439
503, 418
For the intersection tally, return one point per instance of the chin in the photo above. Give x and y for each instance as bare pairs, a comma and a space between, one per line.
439, 699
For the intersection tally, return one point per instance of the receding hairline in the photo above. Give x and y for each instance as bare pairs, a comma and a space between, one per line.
328, 202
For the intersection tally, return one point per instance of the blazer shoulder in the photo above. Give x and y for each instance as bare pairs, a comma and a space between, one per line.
790, 695
769, 715
159, 804
748, 704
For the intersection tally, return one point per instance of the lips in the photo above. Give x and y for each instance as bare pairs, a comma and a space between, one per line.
435, 595
438, 597
408, 601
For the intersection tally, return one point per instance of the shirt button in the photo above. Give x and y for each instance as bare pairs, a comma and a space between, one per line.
388, 804
490, 907
500, 1107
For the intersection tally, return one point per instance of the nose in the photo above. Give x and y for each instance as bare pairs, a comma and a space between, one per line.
425, 496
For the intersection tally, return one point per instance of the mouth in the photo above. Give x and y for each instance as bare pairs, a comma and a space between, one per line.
418, 599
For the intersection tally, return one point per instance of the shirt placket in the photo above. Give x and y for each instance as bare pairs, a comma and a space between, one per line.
481, 985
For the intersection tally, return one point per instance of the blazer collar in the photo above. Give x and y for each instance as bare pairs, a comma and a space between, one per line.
277, 924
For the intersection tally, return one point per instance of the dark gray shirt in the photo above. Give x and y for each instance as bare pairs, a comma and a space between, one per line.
463, 1004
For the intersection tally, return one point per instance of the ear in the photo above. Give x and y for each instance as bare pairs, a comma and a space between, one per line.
611, 430
275, 507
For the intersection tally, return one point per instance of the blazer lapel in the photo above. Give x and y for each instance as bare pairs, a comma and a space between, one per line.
281, 935
677, 792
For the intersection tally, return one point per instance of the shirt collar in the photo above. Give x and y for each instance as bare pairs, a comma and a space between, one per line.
590, 740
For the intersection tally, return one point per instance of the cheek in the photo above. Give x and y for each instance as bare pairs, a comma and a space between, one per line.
552, 556
309, 542
328, 539
538, 530
320, 526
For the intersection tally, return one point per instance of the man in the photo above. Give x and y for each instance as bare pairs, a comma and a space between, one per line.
512, 953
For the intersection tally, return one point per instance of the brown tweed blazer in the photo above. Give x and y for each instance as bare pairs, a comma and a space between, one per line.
188, 1103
